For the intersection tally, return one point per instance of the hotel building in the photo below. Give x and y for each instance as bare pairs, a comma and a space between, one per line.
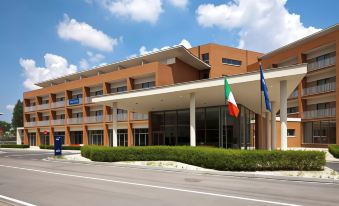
176, 97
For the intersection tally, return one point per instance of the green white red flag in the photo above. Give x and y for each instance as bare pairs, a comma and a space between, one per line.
232, 105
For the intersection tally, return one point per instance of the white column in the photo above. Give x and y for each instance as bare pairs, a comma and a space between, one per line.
115, 124
268, 131
192, 120
273, 127
283, 114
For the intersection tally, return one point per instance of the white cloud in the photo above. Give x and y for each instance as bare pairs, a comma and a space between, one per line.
143, 50
71, 29
179, 3
263, 24
10, 107
55, 66
137, 10
92, 60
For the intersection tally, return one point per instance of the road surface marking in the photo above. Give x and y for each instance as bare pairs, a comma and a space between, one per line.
16, 201
153, 186
22, 155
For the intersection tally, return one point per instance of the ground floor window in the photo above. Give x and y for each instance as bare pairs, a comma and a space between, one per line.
60, 134
140, 136
319, 132
76, 137
32, 139
96, 137
214, 127
122, 137
44, 138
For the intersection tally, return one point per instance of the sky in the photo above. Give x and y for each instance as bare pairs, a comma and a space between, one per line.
43, 39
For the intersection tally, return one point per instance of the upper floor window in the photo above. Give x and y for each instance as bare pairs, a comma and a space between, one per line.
206, 58
291, 110
231, 62
60, 99
147, 84
323, 106
44, 101
77, 96
118, 89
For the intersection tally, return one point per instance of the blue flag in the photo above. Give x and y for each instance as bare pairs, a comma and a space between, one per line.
264, 89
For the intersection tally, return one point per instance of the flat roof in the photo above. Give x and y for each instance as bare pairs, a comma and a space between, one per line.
209, 92
179, 52
301, 41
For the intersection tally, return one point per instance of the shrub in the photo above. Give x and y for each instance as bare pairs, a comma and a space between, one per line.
212, 158
64, 147
14, 146
334, 150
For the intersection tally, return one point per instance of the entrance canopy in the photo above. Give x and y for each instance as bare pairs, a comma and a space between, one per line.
209, 92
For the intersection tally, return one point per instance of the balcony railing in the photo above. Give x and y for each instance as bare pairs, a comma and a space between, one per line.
30, 124
330, 112
75, 101
30, 109
329, 87
326, 62
139, 116
42, 106
93, 119
88, 100
58, 104
294, 94
58, 122
43, 123
75, 120
121, 117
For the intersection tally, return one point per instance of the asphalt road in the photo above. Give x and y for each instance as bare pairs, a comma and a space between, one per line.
24, 176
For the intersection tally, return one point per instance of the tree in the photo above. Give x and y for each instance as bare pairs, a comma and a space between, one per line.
17, 118
6, 127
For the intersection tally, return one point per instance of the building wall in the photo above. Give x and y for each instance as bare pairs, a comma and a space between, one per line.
163, 74
302, 53
217, 52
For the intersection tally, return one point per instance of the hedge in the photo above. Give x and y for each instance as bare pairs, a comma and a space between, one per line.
212, 158
64, 147
334, 150
14, 146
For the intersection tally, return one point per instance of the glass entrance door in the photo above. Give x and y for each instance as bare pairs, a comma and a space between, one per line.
32, 139
140, 136
122, 137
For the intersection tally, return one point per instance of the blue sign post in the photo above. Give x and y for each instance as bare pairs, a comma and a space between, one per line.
57, 145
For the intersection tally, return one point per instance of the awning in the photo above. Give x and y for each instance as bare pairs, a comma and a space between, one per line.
209, 92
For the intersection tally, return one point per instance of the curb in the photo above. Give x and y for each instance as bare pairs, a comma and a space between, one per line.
209, 172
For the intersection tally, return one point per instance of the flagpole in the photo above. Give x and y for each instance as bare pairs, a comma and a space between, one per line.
225, 118
260, 89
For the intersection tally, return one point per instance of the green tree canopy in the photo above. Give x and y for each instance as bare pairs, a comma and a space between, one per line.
17, 118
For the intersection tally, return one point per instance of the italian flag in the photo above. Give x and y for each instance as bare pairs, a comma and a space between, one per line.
232, 105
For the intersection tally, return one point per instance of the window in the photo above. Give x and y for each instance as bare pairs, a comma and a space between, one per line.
205, 74
323, 106
231, 62
292, 110
60, 99
206, 58
147, 84
121, 89
323, 81
44, 101
291, 132
76, 96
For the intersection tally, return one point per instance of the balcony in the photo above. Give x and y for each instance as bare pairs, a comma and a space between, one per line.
30, 124
75, 101
294, 94
43, 123
58, 122
329, 60
329, 87
42, 106
30, 109
94, 119
121, 117
321, 113
88, 100
76, 120
139, 116
57, 104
